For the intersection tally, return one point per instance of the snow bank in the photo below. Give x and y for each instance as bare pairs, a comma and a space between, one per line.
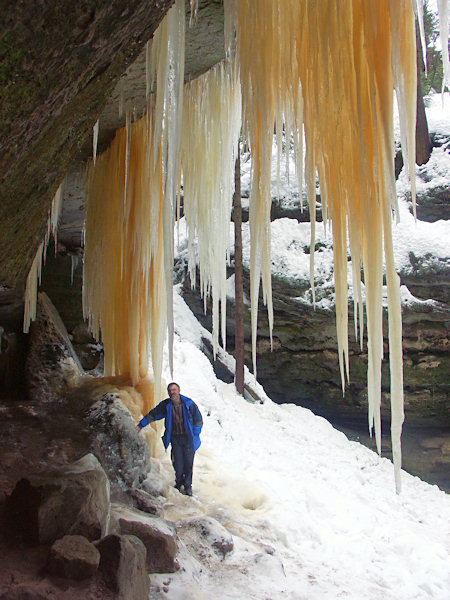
313, 516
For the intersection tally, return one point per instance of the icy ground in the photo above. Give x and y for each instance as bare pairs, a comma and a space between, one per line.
312, 515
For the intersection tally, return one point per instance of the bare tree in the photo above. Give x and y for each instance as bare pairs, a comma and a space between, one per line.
238, 278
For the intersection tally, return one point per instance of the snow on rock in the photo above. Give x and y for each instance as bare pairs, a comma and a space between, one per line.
433, 175
424, 239
284, 183
212, 532
125, 457
437, 108
312, 515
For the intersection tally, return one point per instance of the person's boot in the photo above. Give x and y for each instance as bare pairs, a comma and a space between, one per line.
188, 491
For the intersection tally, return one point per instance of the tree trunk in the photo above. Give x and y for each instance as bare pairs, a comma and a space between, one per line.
423, 143
238, 279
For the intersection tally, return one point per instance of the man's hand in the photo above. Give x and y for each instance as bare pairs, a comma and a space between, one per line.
137, 428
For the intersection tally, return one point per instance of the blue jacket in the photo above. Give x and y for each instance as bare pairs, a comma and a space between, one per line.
193, 421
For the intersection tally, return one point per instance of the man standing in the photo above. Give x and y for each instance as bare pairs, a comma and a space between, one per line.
183, 424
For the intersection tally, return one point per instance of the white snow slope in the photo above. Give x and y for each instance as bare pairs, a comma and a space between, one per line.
313, 515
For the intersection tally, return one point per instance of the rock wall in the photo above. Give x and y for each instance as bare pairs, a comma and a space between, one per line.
303, 367
59, 64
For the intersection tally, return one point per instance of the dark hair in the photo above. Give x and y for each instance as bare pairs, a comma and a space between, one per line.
173, 383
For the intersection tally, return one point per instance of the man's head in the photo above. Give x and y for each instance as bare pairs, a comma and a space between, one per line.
173, 389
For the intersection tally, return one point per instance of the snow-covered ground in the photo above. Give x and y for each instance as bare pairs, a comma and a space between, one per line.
313, 515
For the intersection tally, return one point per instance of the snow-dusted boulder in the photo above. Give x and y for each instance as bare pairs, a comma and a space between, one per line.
145, 502
51, 360
212, 532
157, 535
123, 454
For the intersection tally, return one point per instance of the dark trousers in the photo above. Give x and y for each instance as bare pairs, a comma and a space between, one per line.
182, 460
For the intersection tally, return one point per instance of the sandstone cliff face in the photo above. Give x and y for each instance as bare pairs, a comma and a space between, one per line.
303, 366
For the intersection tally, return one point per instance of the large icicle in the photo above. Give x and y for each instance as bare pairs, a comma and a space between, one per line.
95, 140
167, 66
35, 272
271, 94
211, 127
345, 59
444, 33
55, 213
31, 287
418, 11
403, 65
124, 289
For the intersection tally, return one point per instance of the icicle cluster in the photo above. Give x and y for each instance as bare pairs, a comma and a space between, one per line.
124, 291
332, 68
35, 272
130, 192
210, 134
271, 97
323, 71
167, 70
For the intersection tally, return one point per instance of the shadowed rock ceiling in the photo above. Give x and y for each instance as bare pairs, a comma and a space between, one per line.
60, 65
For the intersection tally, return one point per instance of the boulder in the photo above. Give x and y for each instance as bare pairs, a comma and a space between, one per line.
72, 500
213, 533
434, 205
124, 455
157, 535
73, 557
89, 355
145, 502
122, 565
51, 361
88, 350
81, 334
